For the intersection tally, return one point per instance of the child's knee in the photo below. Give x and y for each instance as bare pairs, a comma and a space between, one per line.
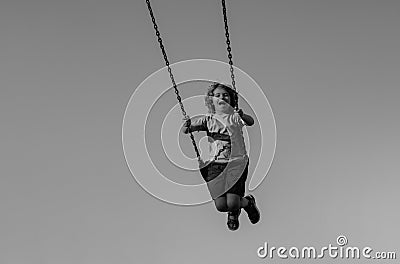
222, 208
233, 204
221, 205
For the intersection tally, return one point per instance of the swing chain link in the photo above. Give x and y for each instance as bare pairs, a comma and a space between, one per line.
164, 53
229, 49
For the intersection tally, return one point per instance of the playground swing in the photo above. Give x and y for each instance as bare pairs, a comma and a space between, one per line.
202, 164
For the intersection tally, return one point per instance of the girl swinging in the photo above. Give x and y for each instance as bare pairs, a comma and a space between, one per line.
226, 172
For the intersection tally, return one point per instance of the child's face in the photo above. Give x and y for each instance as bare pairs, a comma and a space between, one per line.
221, 100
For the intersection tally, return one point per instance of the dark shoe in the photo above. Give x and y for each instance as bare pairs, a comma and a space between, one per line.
252, 211
233, 220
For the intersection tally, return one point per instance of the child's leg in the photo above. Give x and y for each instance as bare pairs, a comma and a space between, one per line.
220, 204
251, 209
235, 202
233, 217
248, 203
233, 206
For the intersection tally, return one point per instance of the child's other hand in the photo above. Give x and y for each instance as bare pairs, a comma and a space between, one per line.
187, 122
240, 112
186, 125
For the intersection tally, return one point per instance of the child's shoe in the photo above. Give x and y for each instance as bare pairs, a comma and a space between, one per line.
252, 211
233, 220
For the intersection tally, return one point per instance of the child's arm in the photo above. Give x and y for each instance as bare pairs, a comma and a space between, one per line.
246, 118
197, 125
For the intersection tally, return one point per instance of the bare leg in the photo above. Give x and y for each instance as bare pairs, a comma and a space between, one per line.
248, 203
235, 202
220, 204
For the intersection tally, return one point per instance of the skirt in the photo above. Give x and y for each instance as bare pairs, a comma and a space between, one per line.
229, 177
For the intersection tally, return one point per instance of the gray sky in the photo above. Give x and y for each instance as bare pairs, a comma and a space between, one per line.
330, 70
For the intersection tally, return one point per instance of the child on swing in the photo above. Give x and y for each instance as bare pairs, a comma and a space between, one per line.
226, 172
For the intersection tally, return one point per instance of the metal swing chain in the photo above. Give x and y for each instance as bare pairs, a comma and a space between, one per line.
229, 49
185, 115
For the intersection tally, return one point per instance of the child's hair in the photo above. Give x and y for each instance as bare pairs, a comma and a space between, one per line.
208, 100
